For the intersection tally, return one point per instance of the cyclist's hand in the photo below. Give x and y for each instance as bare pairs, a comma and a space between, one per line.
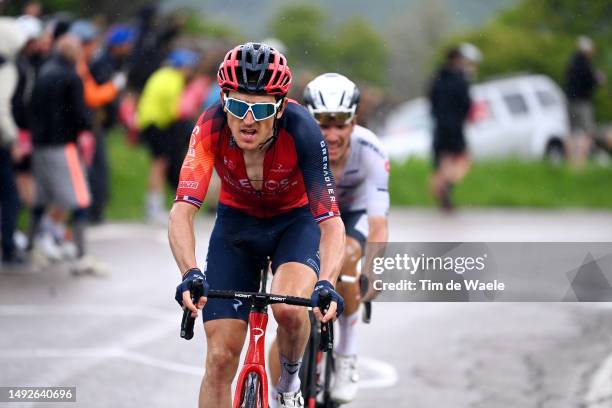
183, 295
336, 306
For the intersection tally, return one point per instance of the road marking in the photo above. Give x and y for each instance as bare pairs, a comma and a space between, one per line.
91, 310
375, 373
385, 375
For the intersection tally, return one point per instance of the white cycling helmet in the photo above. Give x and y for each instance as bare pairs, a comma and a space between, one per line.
331, 97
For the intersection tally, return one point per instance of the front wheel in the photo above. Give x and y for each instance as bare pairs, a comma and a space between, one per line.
251, 392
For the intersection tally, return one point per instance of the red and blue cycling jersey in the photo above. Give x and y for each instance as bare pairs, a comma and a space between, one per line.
296, 167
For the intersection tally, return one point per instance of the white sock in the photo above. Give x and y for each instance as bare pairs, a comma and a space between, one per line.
290, 375
347, 346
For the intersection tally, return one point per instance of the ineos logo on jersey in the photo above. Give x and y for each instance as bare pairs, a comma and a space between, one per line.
274, 185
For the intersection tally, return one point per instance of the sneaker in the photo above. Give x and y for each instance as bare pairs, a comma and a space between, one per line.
344, 387
89, 266
14, 261
49, 247
290, 400
21, 240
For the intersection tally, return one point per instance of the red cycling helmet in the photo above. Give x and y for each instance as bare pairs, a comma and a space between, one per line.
255, 68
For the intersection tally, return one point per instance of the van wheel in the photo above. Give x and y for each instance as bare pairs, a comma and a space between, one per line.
555, 152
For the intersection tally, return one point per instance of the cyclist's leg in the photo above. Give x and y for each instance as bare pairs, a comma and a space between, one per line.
357, 229
296, 266
294, 279
350, 290
344, 386
229, 267
224, 342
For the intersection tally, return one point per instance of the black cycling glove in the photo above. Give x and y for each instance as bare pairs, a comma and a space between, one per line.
192, 275
334, 296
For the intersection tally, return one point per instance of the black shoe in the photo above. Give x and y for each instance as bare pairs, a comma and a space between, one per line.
14, 260
445, 199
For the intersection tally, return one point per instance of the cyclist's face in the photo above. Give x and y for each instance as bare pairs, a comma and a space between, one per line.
337, 135
248, 132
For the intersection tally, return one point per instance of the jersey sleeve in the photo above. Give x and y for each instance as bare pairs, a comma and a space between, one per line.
314, 163
377, 181
198, 165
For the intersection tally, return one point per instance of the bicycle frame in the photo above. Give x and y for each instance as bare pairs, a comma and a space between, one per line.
254, 362
255, 357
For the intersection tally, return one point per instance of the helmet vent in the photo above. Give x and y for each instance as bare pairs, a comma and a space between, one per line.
321, 98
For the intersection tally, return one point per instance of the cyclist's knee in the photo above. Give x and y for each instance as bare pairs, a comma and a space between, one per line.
221, 362
290, 318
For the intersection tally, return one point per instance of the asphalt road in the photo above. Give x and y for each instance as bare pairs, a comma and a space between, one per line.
116, 338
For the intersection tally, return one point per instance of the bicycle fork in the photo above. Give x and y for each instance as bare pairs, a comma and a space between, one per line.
254, 361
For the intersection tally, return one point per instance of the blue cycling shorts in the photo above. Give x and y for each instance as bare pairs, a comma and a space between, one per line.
356, 226
238, 248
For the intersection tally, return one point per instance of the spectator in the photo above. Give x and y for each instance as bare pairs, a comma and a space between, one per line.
581, 81
152, 46
33, 8
158, 111
96, 95
450, 104
60, 111
28, 64
13, 39
104, 68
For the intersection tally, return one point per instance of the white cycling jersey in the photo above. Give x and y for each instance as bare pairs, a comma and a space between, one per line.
364, 183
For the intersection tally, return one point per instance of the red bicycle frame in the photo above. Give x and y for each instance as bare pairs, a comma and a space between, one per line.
255, 360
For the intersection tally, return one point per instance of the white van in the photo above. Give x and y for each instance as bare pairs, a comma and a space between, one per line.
522, 116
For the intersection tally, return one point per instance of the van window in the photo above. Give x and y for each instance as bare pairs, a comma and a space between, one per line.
546, 99
516, 104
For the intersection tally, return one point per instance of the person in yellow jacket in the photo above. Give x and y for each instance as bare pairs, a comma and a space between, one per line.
158, 111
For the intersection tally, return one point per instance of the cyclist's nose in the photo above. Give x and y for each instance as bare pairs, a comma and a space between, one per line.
249, 119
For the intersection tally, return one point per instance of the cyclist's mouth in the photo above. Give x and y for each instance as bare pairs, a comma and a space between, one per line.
334, 148
248, 135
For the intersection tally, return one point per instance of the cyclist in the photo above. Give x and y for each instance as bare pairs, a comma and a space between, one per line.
361, 170
276, 186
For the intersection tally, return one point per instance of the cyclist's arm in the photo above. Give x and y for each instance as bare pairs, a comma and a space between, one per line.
320, 187
193, 184
331, 248
378, 202
181, 235
378, 229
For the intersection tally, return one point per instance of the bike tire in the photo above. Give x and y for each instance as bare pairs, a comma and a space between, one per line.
308, 370
251, 393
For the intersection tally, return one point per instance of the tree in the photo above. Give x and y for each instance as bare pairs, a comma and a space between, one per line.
353, 49
539, 36
413, 36
359, 52
300, 28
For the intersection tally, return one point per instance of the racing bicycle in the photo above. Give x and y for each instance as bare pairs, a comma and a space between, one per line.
318, 367
252, 386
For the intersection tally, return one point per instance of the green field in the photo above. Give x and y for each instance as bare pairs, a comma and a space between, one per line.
509, 183
489, 184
